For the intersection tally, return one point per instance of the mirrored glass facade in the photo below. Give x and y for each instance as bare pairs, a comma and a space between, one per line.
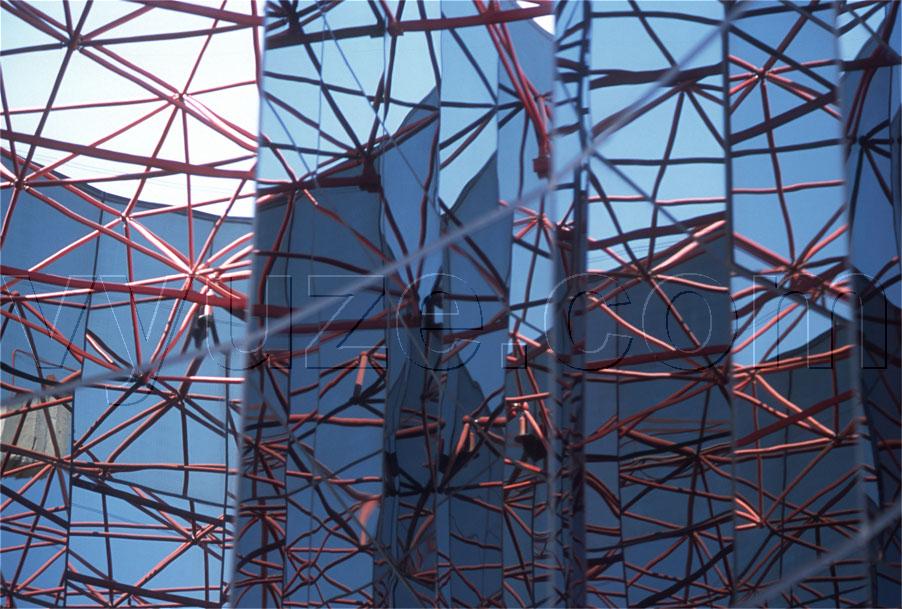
451, 303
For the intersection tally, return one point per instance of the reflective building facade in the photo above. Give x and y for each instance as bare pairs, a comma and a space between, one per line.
600, 313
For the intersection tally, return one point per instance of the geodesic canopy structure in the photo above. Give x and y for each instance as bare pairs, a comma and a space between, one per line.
454, 303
